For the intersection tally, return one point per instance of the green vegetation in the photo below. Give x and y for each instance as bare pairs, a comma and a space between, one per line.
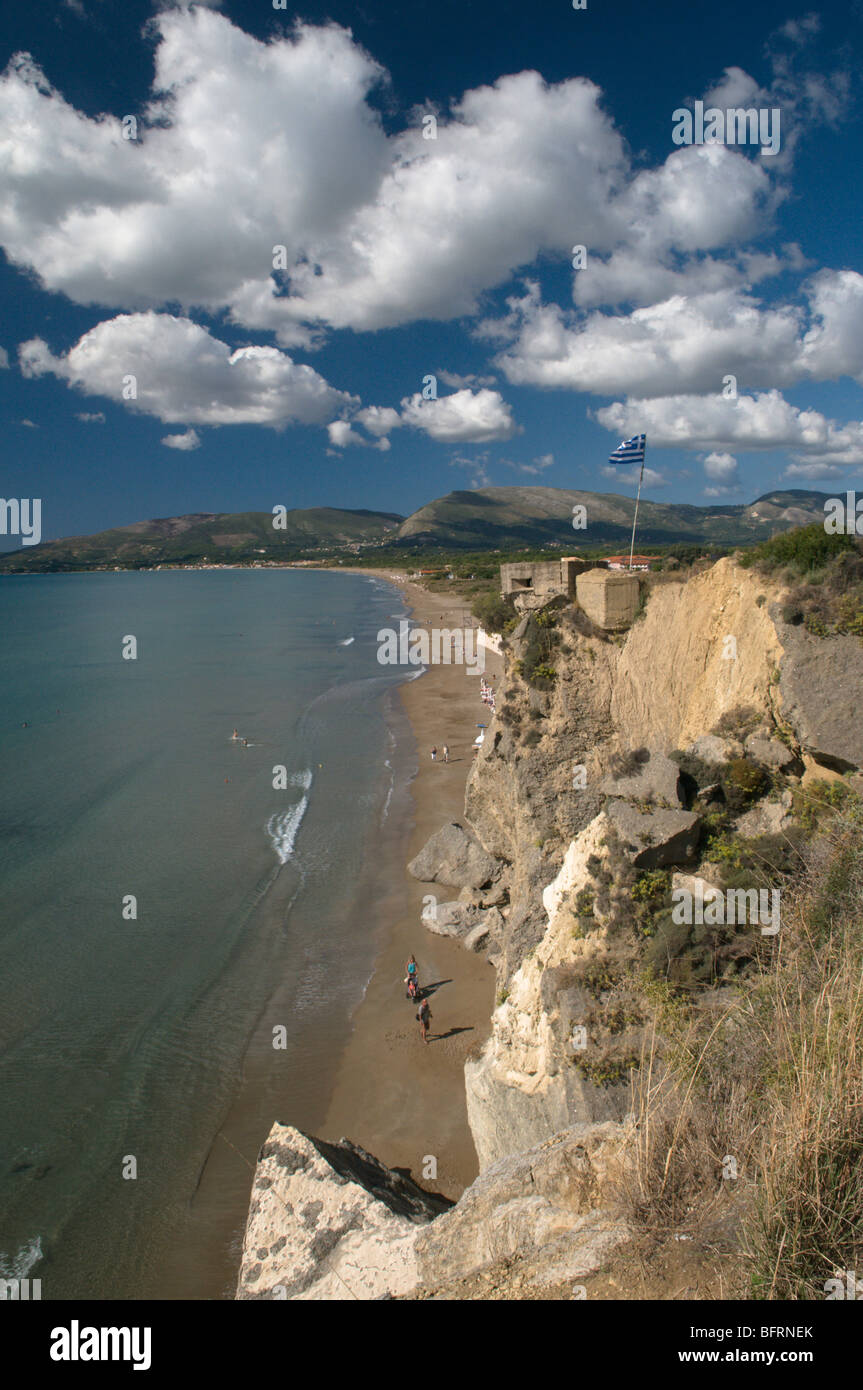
805, 549
539, 641
743, 781
494, 613
607, 1070
829, 600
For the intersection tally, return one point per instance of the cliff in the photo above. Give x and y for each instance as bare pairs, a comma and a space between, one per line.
639, 763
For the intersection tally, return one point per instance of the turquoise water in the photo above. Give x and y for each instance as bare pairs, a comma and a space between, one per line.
122, 1041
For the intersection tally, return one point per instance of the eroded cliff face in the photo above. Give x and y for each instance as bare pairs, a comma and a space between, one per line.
702, 647
527, 1083
674, 677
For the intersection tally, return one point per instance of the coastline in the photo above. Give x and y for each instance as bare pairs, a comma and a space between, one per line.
398, 1098
379, 1085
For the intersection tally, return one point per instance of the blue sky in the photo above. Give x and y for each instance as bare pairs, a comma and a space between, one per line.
147, 264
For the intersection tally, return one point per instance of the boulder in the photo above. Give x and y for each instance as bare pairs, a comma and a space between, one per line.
462, 921
713, 749
477, 938
769, 751
696, 885
454, 857
329, 1221
767, 818
449, 919
495, 896
656, 837
657, 780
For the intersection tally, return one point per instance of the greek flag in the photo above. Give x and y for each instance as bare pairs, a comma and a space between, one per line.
630, 450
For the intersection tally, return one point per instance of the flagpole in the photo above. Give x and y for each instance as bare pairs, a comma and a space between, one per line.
637, 497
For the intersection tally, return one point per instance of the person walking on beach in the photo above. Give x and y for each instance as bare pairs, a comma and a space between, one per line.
434, 755
424, 1018
412, 978
446, 753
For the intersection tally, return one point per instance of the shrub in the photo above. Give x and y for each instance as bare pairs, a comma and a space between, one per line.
628, 764
542, 672
743, 781
805, 549
737, 721
494, 613
651, 885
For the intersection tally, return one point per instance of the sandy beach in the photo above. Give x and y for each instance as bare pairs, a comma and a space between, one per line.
400, 1099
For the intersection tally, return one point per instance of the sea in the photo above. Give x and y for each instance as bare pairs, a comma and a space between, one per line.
188, 920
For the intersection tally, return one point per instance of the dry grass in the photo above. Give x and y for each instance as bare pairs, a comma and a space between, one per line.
770, 1076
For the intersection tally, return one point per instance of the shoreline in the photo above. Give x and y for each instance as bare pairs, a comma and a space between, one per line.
384, 1090
396, 1097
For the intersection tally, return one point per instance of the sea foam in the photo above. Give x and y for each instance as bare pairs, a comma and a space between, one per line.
282, 826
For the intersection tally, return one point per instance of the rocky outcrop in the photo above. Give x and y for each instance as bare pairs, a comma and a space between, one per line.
654, 837
328, 1221
820, 687
527, 1084
656, 780
713, 749
767, 818
551, 1208
769, 751
454, 857
473, 925
703, 649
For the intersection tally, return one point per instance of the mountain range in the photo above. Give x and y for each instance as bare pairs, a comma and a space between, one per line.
492, 518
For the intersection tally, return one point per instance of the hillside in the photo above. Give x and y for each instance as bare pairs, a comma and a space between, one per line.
208, 536
536, 516
494, 518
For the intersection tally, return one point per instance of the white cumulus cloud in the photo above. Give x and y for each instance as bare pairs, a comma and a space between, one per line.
186, 441
762, 421
466, 416
172, 368
688, 343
